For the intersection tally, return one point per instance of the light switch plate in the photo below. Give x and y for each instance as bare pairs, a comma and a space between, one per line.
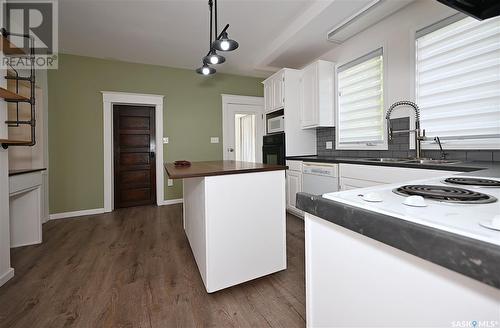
214, 140
170, 182
165, 140
329, 145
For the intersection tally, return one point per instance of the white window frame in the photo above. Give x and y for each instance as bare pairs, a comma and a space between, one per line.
364, 146
430, 144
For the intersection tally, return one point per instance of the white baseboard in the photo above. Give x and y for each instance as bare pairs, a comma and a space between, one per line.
295, 212
64, 215
172, 201
6, 276
94, 211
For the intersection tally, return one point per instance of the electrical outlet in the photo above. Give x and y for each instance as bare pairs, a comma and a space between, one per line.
329, 145
170, 182
214, 140
165, 140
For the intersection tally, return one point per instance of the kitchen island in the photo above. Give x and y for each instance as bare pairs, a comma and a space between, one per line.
234, 219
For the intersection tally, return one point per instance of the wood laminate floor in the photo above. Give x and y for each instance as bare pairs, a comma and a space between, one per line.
134, 268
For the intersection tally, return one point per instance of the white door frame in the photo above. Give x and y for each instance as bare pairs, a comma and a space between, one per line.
240, 100
109, 99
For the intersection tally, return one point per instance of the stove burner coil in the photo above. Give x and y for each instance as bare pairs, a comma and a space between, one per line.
445, 194
473, 182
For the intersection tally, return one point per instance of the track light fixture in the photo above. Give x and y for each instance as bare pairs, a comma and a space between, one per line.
221, 43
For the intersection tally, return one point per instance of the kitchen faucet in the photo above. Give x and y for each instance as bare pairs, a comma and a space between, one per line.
417, 131
438, 141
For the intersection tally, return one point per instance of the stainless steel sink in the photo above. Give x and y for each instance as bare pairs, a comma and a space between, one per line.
411, 161
433, 161
388, 160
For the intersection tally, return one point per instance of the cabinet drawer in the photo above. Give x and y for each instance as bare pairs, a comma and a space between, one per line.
388, 174
21, 182
348, 183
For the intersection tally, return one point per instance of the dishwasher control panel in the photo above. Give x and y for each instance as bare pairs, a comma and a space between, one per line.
330, 170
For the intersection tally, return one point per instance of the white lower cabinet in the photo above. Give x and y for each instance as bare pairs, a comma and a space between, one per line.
354, 176
25, 209
293, 186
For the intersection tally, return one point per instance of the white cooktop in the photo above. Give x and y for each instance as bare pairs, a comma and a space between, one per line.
462, 219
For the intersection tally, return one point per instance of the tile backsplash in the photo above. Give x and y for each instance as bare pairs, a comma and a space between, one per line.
399, 147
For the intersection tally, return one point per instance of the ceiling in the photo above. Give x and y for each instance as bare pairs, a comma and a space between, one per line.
271, 33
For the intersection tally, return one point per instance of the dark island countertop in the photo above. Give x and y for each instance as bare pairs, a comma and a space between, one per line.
213, 168
25, 171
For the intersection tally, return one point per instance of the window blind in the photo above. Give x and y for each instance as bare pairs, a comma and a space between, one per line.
360, 101
458, 82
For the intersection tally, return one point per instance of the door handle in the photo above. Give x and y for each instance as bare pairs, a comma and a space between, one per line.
230, 150
152, 154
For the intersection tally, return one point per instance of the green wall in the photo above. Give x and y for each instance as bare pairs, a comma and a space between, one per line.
192, 114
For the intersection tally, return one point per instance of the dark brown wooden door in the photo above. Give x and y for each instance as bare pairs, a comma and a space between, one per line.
134, 155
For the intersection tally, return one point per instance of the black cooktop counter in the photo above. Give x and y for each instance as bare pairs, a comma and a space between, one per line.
487, 169
473, 258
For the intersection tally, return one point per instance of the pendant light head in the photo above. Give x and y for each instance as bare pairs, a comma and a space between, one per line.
224, 43
213, 58
205, 70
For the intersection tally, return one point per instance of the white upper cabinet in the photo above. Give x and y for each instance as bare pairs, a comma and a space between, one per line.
274, 91
281, 91
317, 95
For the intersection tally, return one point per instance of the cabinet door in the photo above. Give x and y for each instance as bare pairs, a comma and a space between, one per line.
308, 96
278, 91
268, 96
293, 186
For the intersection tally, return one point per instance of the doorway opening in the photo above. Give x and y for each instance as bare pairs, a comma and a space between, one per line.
245, 135
242, 128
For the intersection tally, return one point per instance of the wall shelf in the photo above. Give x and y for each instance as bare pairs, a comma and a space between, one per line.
9, 49
12, 96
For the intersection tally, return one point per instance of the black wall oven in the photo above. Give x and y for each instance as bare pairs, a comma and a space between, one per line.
273, 149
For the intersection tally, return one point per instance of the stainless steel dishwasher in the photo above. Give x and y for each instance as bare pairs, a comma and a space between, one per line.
320, 178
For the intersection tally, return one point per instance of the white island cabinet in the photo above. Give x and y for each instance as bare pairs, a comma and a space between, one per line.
234, 219
356, 281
